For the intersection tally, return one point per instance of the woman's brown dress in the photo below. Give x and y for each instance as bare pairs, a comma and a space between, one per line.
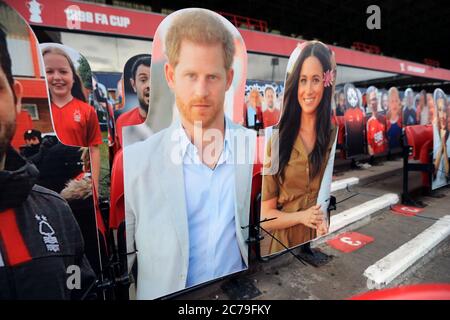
296, 192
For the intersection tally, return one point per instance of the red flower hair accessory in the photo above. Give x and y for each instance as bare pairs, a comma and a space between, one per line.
328, 78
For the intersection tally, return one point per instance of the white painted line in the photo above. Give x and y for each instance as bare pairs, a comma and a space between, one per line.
361, 211
343, 183
387, 269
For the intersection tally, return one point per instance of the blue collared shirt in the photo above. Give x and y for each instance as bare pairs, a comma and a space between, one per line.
210, 206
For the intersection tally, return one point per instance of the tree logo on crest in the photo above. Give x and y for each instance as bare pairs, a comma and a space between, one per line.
47, 232
35, 9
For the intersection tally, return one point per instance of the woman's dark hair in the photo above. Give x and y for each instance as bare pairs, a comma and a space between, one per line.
289, 124
76, 91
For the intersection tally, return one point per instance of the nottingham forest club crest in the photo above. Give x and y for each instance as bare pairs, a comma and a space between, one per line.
35, 9
352, 97
77, 116
48, 234
378, 137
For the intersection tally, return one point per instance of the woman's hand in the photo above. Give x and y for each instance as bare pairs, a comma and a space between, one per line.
322, 229
312, 217
436, 168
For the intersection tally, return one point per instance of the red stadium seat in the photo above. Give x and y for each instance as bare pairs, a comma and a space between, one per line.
420, 138
417, 136
418, 146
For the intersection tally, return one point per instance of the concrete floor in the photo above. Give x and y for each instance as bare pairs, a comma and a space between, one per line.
287, 278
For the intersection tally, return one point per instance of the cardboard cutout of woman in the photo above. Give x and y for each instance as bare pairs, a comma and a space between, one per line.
297, 179
187, 186
440, 141
354, 122
394, 119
